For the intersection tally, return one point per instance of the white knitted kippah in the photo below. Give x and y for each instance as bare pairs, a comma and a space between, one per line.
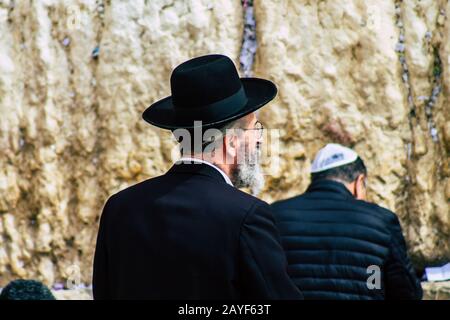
331, 156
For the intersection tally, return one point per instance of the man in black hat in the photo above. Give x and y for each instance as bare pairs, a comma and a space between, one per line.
190, 233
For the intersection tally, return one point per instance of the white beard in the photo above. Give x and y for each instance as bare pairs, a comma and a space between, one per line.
249, 173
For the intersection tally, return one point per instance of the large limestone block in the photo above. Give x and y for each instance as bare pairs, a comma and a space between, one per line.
75, 77
355, 72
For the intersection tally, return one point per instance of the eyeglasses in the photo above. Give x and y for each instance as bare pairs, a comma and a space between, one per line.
259, 127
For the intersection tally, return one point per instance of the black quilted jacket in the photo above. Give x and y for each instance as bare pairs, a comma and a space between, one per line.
332, 240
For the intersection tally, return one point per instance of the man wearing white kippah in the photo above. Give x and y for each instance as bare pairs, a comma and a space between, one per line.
338, 245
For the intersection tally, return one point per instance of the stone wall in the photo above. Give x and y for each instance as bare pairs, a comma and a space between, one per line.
374, 76
75, 77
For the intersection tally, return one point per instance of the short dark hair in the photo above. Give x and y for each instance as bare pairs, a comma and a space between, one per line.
26, 290
346, 173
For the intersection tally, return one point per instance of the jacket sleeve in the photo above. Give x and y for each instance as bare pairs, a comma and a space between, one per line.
263, 264
401, 281
100, 283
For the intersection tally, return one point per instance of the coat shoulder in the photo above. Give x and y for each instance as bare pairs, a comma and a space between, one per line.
209, 193
385, 213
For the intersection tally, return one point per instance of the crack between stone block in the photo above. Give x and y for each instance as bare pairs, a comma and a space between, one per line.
249, 43
429, 101
400, 49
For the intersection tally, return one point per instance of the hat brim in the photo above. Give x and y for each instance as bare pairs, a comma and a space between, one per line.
162, 114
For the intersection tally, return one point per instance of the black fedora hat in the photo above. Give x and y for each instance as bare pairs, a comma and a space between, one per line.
208, 89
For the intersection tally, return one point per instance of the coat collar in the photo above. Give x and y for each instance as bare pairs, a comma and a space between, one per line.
196, 160
331, 186
198, 168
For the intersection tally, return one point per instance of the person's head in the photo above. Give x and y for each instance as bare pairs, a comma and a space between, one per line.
341, 164
207, 92
235, 148
26, 290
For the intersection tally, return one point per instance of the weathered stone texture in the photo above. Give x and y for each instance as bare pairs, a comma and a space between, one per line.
361, 73
71, 127
75, 77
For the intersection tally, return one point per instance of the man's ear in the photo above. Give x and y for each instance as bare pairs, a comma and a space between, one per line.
230, 144
360, 187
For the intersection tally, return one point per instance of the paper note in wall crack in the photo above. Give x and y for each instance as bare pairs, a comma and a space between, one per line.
438, 273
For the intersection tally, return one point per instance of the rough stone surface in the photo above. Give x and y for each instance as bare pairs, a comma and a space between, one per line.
76, 75
338, 66
436, 290
74, 294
